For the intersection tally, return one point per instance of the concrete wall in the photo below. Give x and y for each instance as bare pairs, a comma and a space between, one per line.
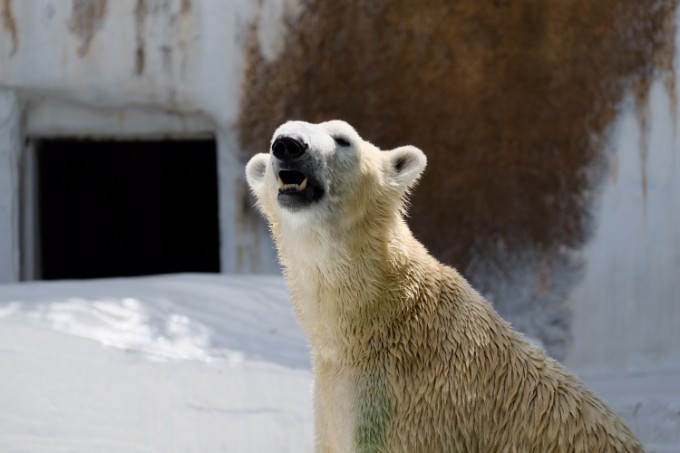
626, 308
605, 296
10, 143
131, 68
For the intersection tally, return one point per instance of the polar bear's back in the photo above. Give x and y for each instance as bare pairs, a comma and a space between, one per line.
470, 383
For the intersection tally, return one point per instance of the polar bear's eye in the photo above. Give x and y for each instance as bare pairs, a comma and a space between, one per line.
341, 141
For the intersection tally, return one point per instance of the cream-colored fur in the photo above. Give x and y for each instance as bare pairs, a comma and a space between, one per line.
407, 356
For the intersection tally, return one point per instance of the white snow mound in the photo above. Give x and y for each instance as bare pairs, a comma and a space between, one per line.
195, 363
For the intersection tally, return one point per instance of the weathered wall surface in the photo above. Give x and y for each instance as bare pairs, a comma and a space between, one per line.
113, 54
139, 68
513, 102
10, 142
549, 126
627, 306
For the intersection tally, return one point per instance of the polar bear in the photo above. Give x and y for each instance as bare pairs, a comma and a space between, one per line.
407, 355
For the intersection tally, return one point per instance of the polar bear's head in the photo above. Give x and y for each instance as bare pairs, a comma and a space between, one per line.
326, 175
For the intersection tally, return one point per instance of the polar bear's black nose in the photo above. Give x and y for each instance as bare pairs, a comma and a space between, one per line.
286, 148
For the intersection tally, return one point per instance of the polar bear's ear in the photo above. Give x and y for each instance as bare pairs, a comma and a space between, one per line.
255, 171
406, 163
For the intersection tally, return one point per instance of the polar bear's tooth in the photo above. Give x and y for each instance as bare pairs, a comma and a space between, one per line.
281, 184
303, 185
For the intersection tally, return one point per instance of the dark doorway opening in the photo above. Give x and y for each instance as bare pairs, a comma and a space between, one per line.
127, 208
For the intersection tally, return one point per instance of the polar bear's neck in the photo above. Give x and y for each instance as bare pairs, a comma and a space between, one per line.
344, 283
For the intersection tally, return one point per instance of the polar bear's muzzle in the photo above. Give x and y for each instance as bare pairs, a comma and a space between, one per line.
294, 168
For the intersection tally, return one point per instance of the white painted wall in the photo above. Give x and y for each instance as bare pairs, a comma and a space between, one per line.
626, 310
10, 142
192, 63
190, 85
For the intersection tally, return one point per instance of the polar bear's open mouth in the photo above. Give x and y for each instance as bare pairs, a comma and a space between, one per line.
292, 180
297, 189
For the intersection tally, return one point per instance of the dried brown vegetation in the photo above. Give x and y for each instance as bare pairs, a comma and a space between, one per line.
510, 100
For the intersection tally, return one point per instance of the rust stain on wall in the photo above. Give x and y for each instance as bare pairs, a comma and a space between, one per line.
185, 27
9, 23
141, 12
664, 61
87, 17
185, 7
641, 89
510, 100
